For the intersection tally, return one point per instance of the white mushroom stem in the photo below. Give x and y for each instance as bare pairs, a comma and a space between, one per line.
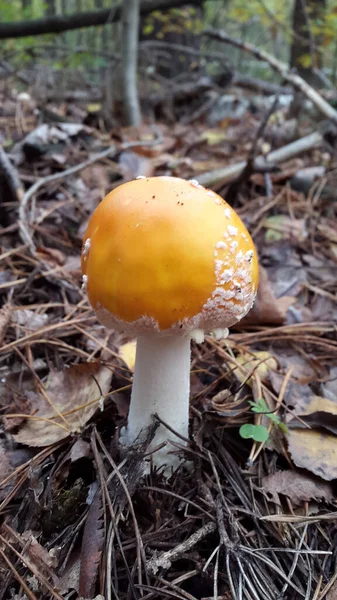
161, 385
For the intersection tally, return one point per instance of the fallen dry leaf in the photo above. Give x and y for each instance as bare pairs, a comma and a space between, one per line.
92, 545
128, 353
80, 449
30, 319
133, 164
70, 577
267, 309
314, 451
297, 486
72, 393
261, 363
53, 256
316, 404
332, 593
282, 227
38, 556
5, 469
5, 317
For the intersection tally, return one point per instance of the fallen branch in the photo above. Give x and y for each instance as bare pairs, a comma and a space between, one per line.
259, 85
322, 105
262, 162
164, 560
251, 160
59, 23
24, 226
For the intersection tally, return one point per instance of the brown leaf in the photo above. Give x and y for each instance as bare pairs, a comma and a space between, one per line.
297, 486
282, 227
5, 317
37, 555
80, 449
10, 460
70, 399
96, 176
5, 469
69, 579
92, 545
132, 165
52, 256
332, 593
316, 404
267, 310
314, 451
314, 448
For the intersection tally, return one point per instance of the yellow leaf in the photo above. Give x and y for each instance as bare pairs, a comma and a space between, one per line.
261, 363
314, 451
94, 107
128, 354
305, 61
213, 136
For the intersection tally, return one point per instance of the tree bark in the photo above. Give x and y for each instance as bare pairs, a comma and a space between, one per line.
129, 44
61, 23
50, 8
177, 27
305, 45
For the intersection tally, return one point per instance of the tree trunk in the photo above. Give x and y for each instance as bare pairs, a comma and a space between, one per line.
305, 56
173, 26
129, 47
50, 10
102, 40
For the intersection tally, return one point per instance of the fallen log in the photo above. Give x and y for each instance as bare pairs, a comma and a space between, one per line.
227, 174
59, 23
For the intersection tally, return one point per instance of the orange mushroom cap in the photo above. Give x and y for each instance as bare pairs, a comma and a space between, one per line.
163, 254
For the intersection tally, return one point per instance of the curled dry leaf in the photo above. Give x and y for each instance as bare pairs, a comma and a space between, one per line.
38, 556
297, 486
71, 397
260, 363
267, 309
315, 448
314, 451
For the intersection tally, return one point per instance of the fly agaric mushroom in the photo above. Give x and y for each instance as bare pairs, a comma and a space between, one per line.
166, 260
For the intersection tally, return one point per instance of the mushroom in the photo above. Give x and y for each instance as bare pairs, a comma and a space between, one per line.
166, 261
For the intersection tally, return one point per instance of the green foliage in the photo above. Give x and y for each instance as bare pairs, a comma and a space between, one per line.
10, 10
259, 433
174, 20
261, 407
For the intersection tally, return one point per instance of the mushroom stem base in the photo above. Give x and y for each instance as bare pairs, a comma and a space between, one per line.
161, 385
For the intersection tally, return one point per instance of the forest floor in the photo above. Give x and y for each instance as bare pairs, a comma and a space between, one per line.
252, 520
